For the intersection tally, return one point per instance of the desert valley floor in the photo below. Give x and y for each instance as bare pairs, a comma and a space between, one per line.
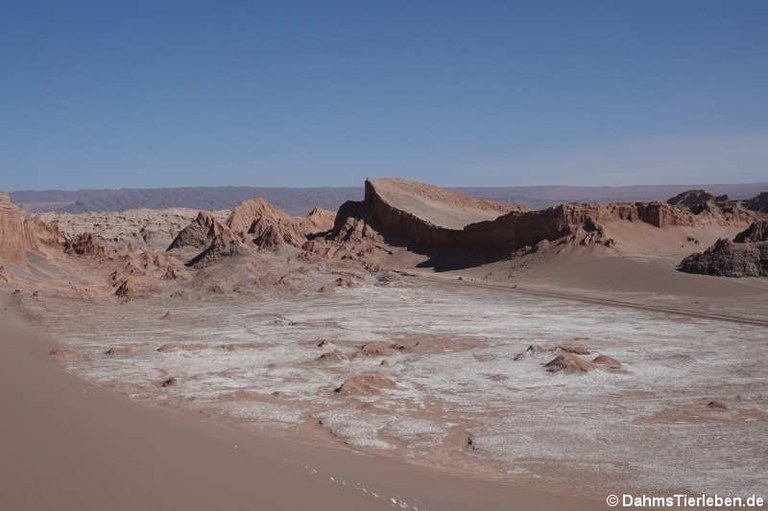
449, 375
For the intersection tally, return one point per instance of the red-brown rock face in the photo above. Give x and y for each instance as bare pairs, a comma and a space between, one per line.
12, 239
415, 214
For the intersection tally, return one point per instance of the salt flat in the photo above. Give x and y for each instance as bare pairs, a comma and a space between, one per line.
461, 399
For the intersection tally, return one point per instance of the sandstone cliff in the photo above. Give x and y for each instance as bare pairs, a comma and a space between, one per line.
12, 238
414, 219
446, 225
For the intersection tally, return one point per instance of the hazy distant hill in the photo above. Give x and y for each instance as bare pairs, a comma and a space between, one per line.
301, 200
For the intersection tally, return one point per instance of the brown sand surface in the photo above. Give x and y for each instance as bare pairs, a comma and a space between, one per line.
638, 281
66, 444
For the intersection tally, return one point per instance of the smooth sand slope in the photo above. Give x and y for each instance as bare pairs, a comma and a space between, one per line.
68, 445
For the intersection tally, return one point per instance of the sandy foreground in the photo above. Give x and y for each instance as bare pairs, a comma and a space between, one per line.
66, 444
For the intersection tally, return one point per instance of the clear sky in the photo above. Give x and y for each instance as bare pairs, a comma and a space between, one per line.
112, 94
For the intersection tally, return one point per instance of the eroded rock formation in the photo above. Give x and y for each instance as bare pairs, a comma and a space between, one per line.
758, 203
745, 256
199, 233
425, 217
12, 239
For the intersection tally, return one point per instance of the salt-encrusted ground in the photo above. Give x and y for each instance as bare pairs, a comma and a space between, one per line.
461, 399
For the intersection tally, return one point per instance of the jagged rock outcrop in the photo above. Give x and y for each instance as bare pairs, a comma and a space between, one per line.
86, 244
254, 223
757, 231
745, 256
758, 203
199, 233
701, 201
258, 222
271, 231
352, 237
43, 237
318, 220
140, 271
696, 200
12, 239
222, 246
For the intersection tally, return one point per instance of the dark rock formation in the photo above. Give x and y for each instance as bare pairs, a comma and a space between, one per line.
745, 256
222, 246
695, 200
758, 203
199, 233
254, 223
757, 231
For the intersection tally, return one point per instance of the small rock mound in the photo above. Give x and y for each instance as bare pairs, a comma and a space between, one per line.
339, 282
375, 349
333, 356
576, 350
568, 363
535, 349
609, 363
139, 272
365, 384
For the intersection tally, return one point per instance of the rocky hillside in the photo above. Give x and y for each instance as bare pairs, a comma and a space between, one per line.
744, 256
253, 224
413, 215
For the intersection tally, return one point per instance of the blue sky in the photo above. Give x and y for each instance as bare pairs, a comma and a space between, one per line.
150, 94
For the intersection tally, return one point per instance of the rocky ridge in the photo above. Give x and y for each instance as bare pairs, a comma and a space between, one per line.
744, 256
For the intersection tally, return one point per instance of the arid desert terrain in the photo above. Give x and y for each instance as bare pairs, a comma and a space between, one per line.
420, 348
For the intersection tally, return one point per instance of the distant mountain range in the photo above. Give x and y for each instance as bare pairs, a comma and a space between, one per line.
301, 200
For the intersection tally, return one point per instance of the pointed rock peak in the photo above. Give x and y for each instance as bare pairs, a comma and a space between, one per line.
244, 214
199, 233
